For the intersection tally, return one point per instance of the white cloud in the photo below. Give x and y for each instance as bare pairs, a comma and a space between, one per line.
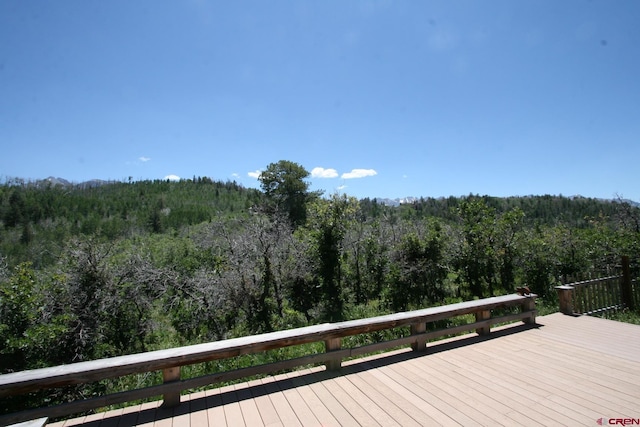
144, 159
342, 187
359, 173
172, 177
324, 173
255, 174
235, 175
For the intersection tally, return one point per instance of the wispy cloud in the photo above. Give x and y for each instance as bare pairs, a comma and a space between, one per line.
324, 173
144, 159
255, 174
235, 175
172, 177
359, 173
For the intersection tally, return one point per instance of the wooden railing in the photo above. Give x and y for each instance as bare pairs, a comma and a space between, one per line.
598, 295
171, 360
591, 296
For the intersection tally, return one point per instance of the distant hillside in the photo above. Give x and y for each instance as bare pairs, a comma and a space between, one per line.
546, 209
113, 207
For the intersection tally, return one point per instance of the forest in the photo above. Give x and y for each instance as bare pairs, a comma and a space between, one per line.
88, 272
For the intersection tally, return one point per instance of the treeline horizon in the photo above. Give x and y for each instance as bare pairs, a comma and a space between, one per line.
25, 202
93, 183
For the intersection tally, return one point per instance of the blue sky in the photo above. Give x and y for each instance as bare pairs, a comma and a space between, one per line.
377, 98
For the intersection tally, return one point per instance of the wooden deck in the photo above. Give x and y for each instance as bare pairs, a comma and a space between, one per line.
563, 371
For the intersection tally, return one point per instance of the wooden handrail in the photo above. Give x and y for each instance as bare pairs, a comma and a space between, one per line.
594, 281
169, 361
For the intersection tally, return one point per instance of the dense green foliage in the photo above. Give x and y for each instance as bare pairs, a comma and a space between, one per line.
90, 272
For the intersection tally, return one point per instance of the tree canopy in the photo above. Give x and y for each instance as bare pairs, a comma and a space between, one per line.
286, 190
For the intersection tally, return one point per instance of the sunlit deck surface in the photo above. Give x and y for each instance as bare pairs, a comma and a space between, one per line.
564, 371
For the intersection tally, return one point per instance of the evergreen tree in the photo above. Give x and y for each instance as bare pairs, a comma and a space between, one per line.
286, 189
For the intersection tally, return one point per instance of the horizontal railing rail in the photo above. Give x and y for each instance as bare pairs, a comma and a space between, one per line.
171, 360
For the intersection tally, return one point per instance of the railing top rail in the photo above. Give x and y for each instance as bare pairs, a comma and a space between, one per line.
592, 281
82, 372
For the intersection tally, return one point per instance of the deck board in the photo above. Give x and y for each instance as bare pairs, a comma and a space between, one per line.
566, 371
519, 395
279, 401
300, 380
569, 378
574, 395
268, 414
250, 412
198, 409
338, 412
491, 408
232, 409
370, 406
303, 412
385, 402
215, 410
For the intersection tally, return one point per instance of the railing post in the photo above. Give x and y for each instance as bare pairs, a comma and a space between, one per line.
565, 296
483, 315
418, 329
333, 363
171, 398
627, 292
529, 306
